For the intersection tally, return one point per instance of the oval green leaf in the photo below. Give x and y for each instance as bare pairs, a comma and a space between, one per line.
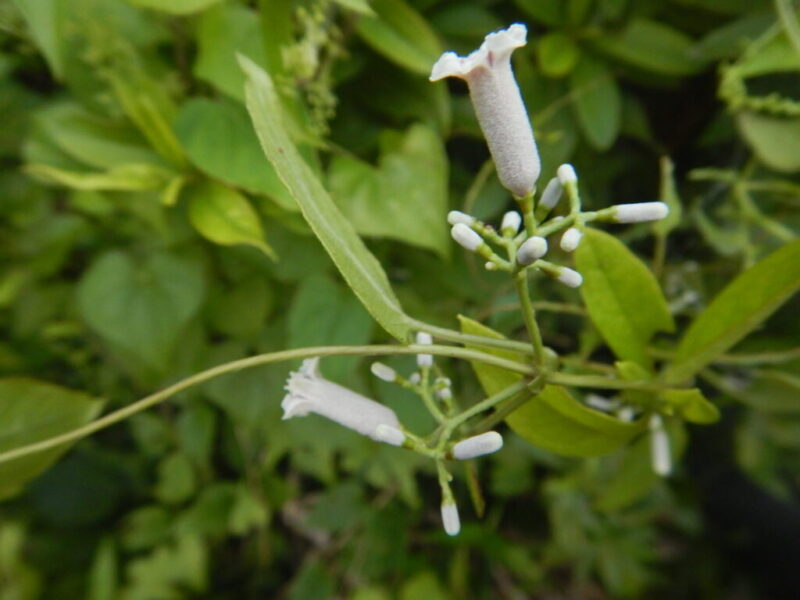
744, 304
622, 296
597, 101
32, 411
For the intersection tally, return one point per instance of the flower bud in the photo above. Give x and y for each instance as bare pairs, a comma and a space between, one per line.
498, 106
531, 250
571, 239
640, 212
466, 237
389, 435
382, 371
569, 277
456, 216
450, 520
511, 223
424, 360
659, 447
566, 174
478, 445
551, 194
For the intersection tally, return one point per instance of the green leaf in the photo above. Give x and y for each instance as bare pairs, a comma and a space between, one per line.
141, 308
224, 216
738, 309
692, 405
622, 296
356, 263
423, 585
176, 479
552, 420
653, 47
773, 391
558, 54
597, 101
32, 411
405, 198
175, 7
127, 178
359, 6
44, 20
547, 12
402, 35
775, 140
219, 140
222, 32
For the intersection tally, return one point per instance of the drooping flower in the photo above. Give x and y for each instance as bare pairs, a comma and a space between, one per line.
450, 519
499, 106
309, 392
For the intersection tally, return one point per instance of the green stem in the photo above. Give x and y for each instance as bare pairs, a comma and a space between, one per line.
526, 208
451, 335
529, 315
600, 382
425, 394
506, 409
254, 361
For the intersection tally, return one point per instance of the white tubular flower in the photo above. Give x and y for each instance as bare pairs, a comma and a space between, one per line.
390, 435
456, 216
566, 174
382, 371
478, 445
498, 105
659, 447
511, 223
424, 360
310, 392
450, 520
571, 239
569, 277
640, 212
466, 237
551, 194
531, 250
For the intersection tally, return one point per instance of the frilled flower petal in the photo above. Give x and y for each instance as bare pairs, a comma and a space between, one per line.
498, 105
308, 391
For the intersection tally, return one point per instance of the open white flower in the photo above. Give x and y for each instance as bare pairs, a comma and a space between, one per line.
498, 105
310, 392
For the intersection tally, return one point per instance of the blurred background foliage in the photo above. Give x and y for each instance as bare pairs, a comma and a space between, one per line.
145, 237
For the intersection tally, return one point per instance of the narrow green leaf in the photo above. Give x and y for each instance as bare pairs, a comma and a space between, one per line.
651, 46
32, 411
775, 140
126, 178
552, 420
744, 304
402, 35
358, 266
622, 296
43, 18
225, 217
692, 405
597, 101
175, 7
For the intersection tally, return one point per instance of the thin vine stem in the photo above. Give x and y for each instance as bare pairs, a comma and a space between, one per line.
529, 316
255, 361
451, 335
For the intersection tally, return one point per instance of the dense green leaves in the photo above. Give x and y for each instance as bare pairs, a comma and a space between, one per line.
404, 198
739, 308
622, 296
358, 266
141, 307
32, 411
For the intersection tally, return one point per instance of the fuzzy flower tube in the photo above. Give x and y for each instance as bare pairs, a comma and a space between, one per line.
309, 392
498, 105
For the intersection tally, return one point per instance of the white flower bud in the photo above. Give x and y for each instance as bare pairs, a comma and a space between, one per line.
511, 222
389, 435
659, 447
466, 237
571, 239
626, 414
456, 216
450, 520
444, 393
569, 277
382, 371
478, 445
551, 194
566, 174
424, 360
498, 105
531, 250
309, 392
601, 402
415, 379
640, 212
490, 266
